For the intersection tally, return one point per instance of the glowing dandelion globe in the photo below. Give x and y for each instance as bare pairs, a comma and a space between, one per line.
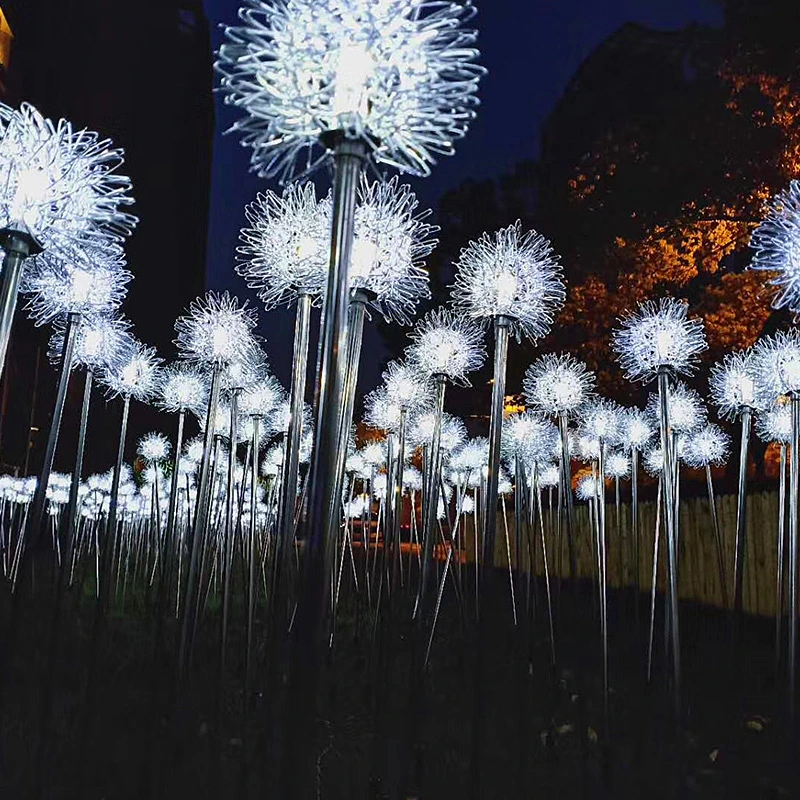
659, 335
391, 241
380, 412
735, 385
153, 447
182, 388
588, 447
406, 387
56, 286
776, 361
514, 275
446, 344
617, 465
548, 475
709, 446
246, 368
775, 425
588, 488
398, 75
529, 437
284, 252
262, 397
686, 409
217, 330
279, 419
635, 429
557, 384
100, 342
654, 461
454, 433
136, 375
602, 419
776, 242
60, 185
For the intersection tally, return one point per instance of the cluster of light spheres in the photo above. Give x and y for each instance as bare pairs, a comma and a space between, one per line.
659, 335
390, 243
776, 242
514, 275
448, 344
399, 75
557, 385
284, 252
217, 330
60, 186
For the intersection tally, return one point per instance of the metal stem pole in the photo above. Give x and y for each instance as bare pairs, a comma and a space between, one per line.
501, 332
397, 500
793, 481
173, 493
781, 556
431, 495
672, 550
40, 496
251, 594
566, 488
18, 247
200, 518
717, 537
72, 507
229, 533
291, 459
308, 626
602, 569
635, 525
741, 515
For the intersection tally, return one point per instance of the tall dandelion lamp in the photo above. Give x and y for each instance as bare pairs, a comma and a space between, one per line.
445, 346
60, 189
513, 280
656, 342
777, 364
736, 391
283, 255
558, 385
390, 82
215, 333
60, 289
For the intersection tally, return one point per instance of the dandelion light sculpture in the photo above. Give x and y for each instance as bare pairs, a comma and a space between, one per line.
182, 388
707, 447
135, 376
659, 339
558, 386
776, 242
58, 289
61, 188
386, 273
444, 346
514, 280
777, 365
737, 392
283, 255
636, 432
775, 426
390, 81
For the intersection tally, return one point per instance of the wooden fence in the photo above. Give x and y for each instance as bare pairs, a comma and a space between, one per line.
697, 573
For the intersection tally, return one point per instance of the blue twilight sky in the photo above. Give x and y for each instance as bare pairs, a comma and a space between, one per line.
531, 48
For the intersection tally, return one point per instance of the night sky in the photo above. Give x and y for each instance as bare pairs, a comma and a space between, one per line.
531, 48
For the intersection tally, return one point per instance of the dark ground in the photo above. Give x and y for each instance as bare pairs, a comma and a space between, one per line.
544, 734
